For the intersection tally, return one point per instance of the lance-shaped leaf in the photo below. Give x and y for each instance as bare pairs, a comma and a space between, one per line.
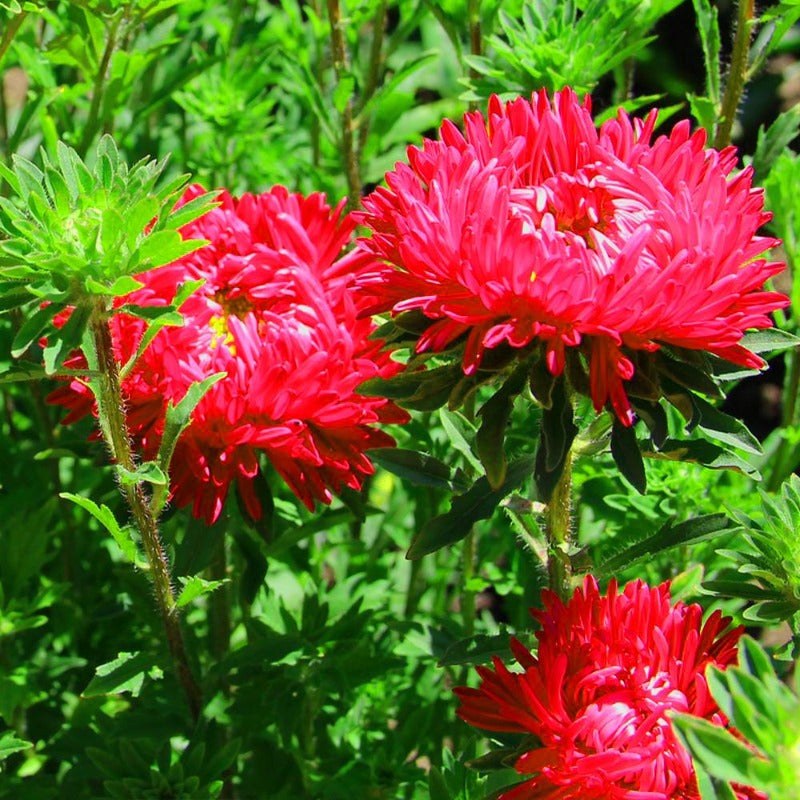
419, 468
671, 534
176, 420
627, 456
558, 431
495, 414
479, 502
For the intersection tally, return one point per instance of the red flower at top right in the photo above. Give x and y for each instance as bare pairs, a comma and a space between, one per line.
535, 226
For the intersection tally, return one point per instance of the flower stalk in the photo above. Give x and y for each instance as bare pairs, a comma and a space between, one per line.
111, 414
558, 529
340, 66
737, 74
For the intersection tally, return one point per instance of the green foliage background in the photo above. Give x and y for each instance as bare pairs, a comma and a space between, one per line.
327, 656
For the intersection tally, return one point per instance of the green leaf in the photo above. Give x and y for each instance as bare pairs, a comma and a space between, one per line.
419, 468
714, 748
163, 247
437, 788
771, 340
773, 141
476, 650
32, 328
178, 416
627, 456
722, 426
104, 515
479, 502
701, 451
495, 414
195, 587
125, 673
123, 285
671, 534
10, 744
454, 425
146, 472
708, 26
558, 431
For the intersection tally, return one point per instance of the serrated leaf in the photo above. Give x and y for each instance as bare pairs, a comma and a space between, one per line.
163, 247
479, 502
195, 587
146, 472
773, 141
105, 516
125, 673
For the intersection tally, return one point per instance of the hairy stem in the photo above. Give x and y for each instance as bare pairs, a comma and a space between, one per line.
93, 120
340, 67
737, 74
558, 528
111, 414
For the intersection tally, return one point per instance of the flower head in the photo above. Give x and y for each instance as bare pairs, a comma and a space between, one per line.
597, 695
533, 226
275, 314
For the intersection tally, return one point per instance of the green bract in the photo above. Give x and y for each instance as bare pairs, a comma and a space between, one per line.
71, 235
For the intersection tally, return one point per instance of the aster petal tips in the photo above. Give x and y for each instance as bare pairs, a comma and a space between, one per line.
535, 232
597, 695
276, 317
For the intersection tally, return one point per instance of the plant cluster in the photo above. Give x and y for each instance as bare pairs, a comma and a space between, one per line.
369, 386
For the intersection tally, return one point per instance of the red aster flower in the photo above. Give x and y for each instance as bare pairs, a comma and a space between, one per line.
597, 695
277, 316
535, 226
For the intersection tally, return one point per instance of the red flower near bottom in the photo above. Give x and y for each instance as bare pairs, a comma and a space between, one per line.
609, 669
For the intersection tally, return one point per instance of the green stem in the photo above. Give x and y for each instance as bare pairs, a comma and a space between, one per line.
111, 414
558, 528
474, 19
93, 120
373, 71
790, 389
467, 595
340, 67
737, 74
10, 32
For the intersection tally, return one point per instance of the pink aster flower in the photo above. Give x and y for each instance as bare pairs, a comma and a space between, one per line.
597, 695
533, 226
276, 315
